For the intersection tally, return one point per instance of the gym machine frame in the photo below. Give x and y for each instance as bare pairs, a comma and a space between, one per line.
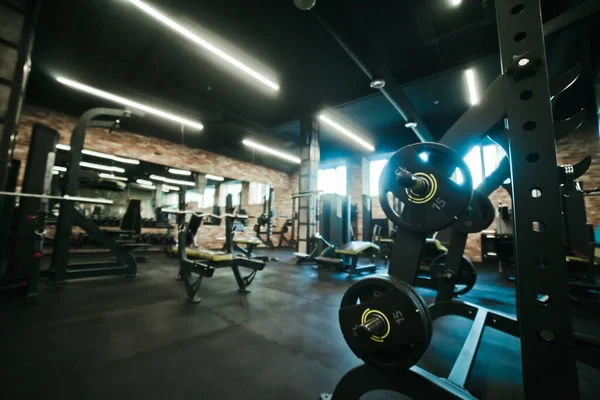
61, 270
549, 348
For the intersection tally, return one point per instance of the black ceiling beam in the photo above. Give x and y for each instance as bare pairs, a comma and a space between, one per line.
338, 25
568, 18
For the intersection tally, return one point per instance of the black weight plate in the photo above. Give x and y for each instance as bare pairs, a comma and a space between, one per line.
478, 216
424, 307
408, 324
443, 204
467, 275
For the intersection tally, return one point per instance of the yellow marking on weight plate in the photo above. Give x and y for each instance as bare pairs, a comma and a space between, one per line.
432, 191
363, 320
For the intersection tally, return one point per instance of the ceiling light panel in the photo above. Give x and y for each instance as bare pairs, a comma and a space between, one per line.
204, 43
215, 177
174, 181
130, 103
176, 171
272, 151
346, 132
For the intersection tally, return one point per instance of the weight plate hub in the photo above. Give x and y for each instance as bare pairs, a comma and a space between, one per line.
385, 322
478, 216
442, 201
463, 282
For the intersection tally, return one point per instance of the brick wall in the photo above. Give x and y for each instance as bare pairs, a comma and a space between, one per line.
133, 145
357, 184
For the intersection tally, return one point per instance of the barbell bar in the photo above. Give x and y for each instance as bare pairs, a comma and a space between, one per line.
63, 198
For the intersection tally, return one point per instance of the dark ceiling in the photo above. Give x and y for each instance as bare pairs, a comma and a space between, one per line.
425, 44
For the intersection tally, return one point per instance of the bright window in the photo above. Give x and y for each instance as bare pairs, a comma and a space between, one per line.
332, 180
375, 168
234, 189
474, 162
209, 197
482, 161
191, 196
258, 193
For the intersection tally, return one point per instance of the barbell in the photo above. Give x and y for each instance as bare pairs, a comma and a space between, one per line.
62, 198
203, 215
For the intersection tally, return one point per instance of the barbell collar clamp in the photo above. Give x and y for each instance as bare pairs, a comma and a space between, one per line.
416, 184
374, 326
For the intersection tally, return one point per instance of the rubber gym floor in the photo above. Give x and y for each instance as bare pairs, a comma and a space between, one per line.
114, 338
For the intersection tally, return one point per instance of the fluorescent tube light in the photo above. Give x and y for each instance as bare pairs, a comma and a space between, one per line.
65, 147
110, 157
202, 42
165, 190
455, 2
174, 181
346, 132
148, 187
271, 151
169, 187
55, 172
130, 103
59, 169
176, 171
144, 182
101, 167
215, 177
472, 88
114, 177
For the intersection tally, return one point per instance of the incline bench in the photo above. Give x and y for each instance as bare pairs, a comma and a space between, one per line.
348, 257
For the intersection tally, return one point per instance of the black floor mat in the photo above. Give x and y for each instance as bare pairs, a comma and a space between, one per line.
115, 338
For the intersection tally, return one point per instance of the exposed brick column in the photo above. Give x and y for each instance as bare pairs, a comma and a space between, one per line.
245, 200
307, 205
358, 184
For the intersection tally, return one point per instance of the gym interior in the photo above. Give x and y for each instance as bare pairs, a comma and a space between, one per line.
307, 199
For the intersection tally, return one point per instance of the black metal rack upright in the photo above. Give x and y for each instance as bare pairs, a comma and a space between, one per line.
546, 330
549, 347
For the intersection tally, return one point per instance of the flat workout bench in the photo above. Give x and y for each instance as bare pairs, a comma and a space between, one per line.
195, 264
251, 244
349, 255
206, 263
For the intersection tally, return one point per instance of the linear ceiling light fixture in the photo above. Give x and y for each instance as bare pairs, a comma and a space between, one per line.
110, 157
169, 187
59, 169
174, 181
271, 151
346, 132
472, 89
65, 147
144, 182
176, 171
130, 103
102, 167
215, 177
113, 177
203, 43
147, 187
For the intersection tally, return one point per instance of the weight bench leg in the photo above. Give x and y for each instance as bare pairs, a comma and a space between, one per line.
353, 264
191, 286
240, 281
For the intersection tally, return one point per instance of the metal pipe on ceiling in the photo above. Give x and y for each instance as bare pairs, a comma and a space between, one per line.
363, 56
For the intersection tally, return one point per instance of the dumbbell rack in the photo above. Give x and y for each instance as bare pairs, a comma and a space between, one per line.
549, 348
